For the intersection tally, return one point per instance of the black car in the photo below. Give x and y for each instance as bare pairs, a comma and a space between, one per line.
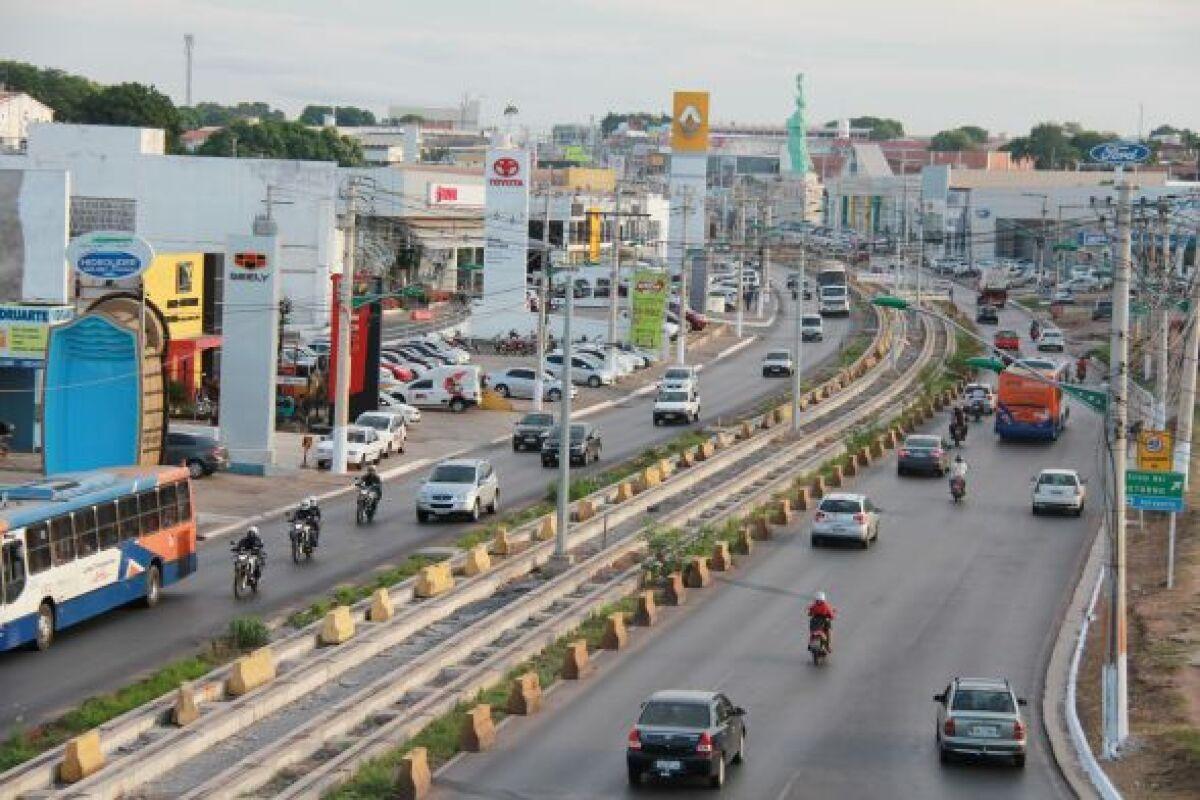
1102, 310
686, 733
922, 453
585, 445
202, 455
987, 315
530, 430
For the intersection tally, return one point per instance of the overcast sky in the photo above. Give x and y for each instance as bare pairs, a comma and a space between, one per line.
931, 63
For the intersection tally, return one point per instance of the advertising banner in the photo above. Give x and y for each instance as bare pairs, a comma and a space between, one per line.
455, 195
24, 332
649, 302
506, 239
595, 229
1154, 451
689, 123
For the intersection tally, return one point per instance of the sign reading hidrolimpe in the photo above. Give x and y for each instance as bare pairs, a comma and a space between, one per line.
110, 255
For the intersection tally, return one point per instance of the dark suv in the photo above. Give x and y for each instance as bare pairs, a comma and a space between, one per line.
203, 455
530, 430
686, 733
585, 445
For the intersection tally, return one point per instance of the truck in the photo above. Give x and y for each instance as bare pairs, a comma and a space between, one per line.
992, 287
680, 404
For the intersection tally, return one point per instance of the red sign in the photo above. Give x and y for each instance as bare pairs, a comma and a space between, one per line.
508, 169
359, 324
445, 194
250, 260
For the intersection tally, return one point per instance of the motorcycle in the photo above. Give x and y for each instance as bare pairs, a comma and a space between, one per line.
368, 502
958, 433
977, 410
818, 639
303, 541
958, 488
246, 569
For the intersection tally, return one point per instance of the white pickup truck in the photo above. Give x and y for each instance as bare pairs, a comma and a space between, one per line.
682, 404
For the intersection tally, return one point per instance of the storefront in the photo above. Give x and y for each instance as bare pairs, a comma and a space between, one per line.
24, 330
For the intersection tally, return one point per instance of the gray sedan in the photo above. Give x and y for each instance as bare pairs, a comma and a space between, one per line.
843, 516
980, 717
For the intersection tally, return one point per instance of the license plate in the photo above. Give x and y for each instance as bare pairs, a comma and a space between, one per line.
668, 766
985, 731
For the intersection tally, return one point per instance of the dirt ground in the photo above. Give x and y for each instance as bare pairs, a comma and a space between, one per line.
1162, 760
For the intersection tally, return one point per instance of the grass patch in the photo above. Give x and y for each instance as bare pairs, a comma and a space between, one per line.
248, 633
348, 595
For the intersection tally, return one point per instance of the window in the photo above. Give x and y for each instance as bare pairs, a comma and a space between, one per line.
128, 508
106, 524
183, 277
62, 540
997, 701
840, 505
12, 571
37, 539
148, 508
675, 714
168, 505
526, 374
85, 531
185, 501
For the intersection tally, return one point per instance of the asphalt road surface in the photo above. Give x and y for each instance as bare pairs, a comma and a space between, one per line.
112, 650
974, 589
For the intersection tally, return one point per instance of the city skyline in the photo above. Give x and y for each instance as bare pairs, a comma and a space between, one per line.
929, 65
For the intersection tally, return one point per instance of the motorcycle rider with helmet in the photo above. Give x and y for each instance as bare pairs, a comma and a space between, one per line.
371, 481
252, 543
821, 614
310, 512
958, 471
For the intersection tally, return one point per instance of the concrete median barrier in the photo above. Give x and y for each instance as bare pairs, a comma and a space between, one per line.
615, 636
675, 592
250, 672
744, 543
576, 665
478, 731
382, 608
721, 561
818, 488
478, 561
186, 710
850, 468
745, 431
502, 543
726, 439
706, 450
411, 777
648, 479
434, 579
647, 610
768, 420
547, 529
696, 574
338, 626
801, 497
525, 696
781, 514
625, 492
666, 467
837, 476
83, 757
878, 446
863, 458
687, 458
584, 510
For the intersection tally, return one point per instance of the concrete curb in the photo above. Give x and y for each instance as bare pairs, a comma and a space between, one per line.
1069, 746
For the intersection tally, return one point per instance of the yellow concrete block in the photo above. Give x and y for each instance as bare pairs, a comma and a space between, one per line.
648, 478
666, 468
706, 450
837, 476
525, 697
584, 510
382, 609
676, 592
547, 529
696, 575
647, 610
491, 401
744, 431
82, 757
575, 661
478, 561
625, 491
744, 543
250, 672
801, 498
478, 731
338, 626
412, 780
722, 561
434, 579
615, 637
502, 544
186, 710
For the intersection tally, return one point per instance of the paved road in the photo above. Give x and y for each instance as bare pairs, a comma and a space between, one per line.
108, 652
969, 590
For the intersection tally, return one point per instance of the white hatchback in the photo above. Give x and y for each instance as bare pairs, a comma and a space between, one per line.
1059, 490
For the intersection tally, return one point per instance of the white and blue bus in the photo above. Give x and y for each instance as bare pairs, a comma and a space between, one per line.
75, 546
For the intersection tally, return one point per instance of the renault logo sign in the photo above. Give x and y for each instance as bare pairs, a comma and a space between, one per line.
690, 120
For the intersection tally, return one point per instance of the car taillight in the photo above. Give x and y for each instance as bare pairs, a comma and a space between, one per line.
1018, 730
704, 746
948, 727
938, 453
635, 740
904, 453
860, 517
820, 516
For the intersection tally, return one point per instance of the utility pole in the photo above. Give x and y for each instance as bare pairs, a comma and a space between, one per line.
1164, 319
740, 261
1187, 408
561, 558
341, 393
764, 292
615, 281
681, 339
921, 259
189, 44
543, 282
1116, 676
798, 310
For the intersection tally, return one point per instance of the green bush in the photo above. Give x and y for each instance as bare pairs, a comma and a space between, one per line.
248, 633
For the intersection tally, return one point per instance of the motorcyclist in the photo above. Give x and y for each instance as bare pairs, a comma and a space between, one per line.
958, 470
1035, 330
371, 480
1081, 369
310, 512
821, 614
251, 542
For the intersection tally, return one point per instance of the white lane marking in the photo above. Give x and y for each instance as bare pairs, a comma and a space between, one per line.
787, 787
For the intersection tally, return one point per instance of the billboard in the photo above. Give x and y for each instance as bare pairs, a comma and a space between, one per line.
24, 332
649, 301
250, 318
506, 238
455, 195
689, 123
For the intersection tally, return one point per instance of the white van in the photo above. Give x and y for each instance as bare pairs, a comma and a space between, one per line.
835, 301
454, 387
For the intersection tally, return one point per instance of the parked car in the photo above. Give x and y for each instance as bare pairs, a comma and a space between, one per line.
1051, 340
363, 446
462, 486
812, 328
1059, 490
200, 453
686, 733
585, 445
390, 427
584, 370
981, 394
922, 453
388, 402
530, 429
1063, 296
1007, 340
520, 382
844, 516
987, 315
980, 717
1081, 284
1102, 310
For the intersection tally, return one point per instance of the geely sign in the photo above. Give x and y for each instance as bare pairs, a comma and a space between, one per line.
110, 255
1120, 153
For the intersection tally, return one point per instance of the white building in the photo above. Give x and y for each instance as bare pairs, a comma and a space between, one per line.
17, 112
120, 179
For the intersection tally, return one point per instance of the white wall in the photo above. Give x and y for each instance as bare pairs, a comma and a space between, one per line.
33, 235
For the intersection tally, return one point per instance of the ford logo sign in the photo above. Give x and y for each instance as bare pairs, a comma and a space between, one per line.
109, 265
1120, 153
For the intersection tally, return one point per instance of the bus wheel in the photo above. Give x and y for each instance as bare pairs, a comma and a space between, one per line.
153, 586
45, 626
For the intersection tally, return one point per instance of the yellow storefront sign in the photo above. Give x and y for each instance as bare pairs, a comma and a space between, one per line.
689, 123
1154, 451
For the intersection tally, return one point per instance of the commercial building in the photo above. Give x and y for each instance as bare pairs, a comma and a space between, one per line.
17, 112
181, 287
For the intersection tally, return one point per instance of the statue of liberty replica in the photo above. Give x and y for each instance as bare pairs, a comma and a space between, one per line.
795, 178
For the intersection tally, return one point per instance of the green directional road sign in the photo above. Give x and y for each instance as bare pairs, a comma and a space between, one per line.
1092, 398
1154, 491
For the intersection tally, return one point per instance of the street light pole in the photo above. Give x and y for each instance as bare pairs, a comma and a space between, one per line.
614, 289
564, 440
1116, 675
740, 265
341, 391
681, 338
539, 388
1187, 409
798, 310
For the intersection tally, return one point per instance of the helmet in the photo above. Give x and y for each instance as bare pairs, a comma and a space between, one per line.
371, 470
311, 501
306, 504
958, 458
252, 530
819, 597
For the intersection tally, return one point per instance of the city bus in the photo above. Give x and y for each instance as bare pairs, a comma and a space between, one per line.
77, 545
1028, 408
